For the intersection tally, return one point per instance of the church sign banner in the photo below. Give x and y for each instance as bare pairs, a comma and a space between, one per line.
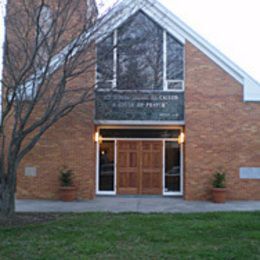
137, 105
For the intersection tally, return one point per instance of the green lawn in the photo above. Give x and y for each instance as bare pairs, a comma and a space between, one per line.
136, 236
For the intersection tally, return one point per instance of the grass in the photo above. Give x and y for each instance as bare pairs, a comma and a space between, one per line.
136, 236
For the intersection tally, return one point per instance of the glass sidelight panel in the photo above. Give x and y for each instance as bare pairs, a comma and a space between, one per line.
172, 167
106, 166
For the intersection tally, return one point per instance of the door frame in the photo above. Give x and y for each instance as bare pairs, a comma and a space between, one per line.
114, 192
179, 193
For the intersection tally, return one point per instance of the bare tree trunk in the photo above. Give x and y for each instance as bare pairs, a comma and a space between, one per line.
42, 65
7, 192
7, 201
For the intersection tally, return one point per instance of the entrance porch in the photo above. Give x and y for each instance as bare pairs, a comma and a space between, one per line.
139, 161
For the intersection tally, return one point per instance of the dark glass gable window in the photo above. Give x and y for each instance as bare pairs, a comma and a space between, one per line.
105, 63
174, 59
140, 55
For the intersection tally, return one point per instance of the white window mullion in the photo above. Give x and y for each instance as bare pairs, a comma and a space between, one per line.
97, 166
182, 169
115, 166
163, 168
115, 60
164, 60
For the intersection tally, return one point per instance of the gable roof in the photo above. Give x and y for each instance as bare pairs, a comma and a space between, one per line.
171, 23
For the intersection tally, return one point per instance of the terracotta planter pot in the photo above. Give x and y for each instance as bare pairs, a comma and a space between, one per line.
219, 195
68, 193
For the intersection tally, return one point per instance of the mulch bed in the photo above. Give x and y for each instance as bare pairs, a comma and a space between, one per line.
21, 219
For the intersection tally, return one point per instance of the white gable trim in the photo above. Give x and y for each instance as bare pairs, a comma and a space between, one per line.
251, 90
172, 24
173, 30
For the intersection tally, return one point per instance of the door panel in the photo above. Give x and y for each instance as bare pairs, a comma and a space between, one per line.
127, 171
151, 167
139, 167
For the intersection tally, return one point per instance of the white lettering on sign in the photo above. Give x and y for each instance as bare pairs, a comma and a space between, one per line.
139, 105
142, 97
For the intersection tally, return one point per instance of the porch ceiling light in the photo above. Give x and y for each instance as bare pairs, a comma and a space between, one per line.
98, 138
181, 138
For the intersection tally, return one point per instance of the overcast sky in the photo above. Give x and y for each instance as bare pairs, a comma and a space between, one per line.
230, 25
233, 26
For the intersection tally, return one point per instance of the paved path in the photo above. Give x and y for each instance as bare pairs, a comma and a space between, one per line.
134, 204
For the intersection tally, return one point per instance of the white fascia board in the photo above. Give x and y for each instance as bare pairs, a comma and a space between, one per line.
251, 90
164, 23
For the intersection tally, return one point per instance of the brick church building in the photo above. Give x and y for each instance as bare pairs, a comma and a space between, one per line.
169, 109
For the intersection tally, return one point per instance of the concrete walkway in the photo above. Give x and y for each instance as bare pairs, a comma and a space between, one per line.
134, 204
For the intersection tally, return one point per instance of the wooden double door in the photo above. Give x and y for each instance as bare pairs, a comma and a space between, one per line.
139, 167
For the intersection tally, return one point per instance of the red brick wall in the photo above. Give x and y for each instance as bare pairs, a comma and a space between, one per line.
68, 143
221, 130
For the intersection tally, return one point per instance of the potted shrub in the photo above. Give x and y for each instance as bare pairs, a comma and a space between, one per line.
219, 186
67, 189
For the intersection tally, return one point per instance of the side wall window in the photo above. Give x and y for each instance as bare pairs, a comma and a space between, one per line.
45, 19
44, 25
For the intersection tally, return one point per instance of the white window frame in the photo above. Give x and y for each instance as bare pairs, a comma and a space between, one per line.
175, 81
165, 79
98, 191
113, 81
115, 59
171, 193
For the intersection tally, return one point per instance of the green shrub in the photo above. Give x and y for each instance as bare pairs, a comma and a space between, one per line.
66, 177
219, 180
